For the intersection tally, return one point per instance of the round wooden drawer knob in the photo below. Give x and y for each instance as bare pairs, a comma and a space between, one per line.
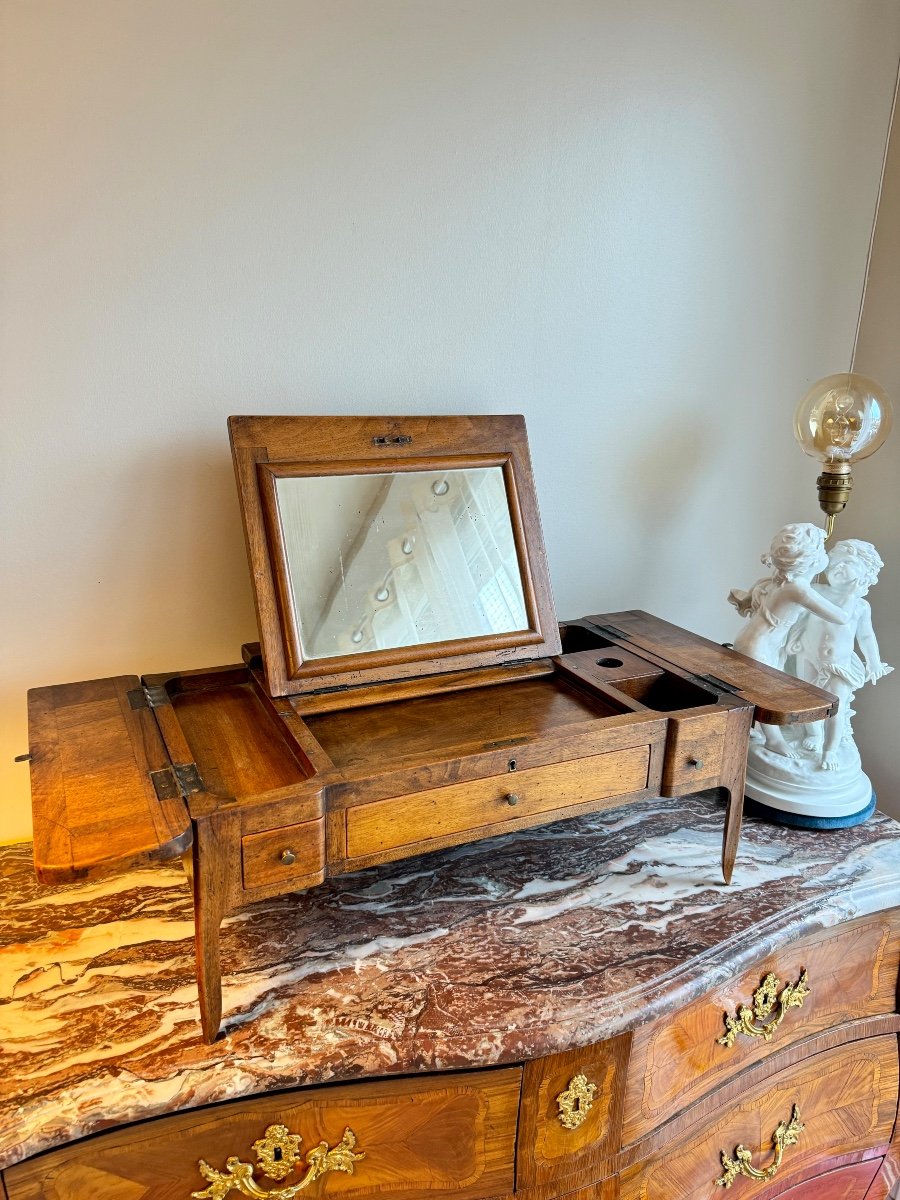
512, 799
288, 857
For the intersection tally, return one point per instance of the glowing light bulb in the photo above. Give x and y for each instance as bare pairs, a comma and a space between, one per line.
841, 420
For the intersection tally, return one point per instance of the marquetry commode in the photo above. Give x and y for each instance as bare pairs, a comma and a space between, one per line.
580, 1010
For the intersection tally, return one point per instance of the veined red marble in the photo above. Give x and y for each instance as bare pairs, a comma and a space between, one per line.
494, 952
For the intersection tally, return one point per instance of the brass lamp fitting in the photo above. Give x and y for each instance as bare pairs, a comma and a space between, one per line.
834, 484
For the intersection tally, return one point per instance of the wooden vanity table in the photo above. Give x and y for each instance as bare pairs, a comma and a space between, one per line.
412, 690
566, 1011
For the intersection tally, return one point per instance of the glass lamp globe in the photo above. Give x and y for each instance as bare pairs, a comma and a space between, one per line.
842, 418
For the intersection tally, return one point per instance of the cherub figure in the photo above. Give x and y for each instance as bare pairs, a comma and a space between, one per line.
825, 652
776, 603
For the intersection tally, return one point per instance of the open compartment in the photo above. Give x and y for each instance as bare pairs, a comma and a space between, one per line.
666, 692
228, 731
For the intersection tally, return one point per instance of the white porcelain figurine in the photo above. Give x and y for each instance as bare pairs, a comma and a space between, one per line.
813, 773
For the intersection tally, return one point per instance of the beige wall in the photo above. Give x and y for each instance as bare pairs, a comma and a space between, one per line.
643, 225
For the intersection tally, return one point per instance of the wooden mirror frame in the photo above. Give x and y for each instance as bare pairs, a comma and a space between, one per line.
267, 448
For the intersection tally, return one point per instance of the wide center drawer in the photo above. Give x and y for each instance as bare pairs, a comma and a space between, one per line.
428, 1137
435, 814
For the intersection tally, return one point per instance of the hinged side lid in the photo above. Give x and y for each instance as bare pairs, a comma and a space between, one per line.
104, 794
780, 699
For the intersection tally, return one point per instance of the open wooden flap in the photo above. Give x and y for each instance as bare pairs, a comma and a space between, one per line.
105, 795
780, 699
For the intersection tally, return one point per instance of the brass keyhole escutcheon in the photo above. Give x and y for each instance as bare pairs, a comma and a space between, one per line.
576, 1101
512, 799
288, 857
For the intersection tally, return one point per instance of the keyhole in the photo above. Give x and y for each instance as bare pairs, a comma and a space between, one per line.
276, 1154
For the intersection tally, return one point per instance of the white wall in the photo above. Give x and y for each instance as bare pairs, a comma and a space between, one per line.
644, 225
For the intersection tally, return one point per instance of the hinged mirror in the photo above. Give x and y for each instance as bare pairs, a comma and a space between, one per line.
385, 548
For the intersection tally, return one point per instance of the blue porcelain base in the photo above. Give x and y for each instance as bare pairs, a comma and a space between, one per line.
753, 808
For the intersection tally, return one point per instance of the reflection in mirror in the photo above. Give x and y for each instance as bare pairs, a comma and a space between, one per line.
381, 561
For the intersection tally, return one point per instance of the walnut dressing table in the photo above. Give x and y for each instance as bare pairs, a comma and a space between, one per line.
412, 690
581, 1009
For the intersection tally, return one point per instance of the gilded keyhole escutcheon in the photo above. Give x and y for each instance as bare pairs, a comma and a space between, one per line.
576, 1101
277, 1155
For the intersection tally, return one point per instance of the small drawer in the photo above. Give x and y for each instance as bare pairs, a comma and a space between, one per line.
836, 1103
849, 973
452, 1136
695, 748
293, 855
570, 1119
440, 815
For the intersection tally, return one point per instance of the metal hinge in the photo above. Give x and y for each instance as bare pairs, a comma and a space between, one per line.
148, 697
714, 682
179, 780
609, 631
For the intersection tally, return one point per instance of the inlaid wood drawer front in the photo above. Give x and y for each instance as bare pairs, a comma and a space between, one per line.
409, 1139
845, 1183
850, 973
839, 1102
439, 813
571, 1116
293, 855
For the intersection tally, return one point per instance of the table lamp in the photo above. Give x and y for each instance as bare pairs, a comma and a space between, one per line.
842, 419
809, 617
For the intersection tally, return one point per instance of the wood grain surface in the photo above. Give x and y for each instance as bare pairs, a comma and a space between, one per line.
264, 856
94, 803
549, 1155
847, 1099
676, 1060
851, 1182
422, 1138
779, 698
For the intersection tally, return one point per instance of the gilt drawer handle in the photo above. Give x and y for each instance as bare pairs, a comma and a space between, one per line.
576, 1101
758, 1021
741, 1164
277, 1154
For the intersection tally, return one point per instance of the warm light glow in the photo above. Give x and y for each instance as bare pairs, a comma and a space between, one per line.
842, 418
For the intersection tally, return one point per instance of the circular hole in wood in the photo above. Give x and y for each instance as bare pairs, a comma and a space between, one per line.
609, 662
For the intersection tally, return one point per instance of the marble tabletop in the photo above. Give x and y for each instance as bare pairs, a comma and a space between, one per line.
494, 952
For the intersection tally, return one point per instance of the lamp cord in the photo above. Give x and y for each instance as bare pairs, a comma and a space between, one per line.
887, 147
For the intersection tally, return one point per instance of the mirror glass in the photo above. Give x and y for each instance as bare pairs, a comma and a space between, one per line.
381, 561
